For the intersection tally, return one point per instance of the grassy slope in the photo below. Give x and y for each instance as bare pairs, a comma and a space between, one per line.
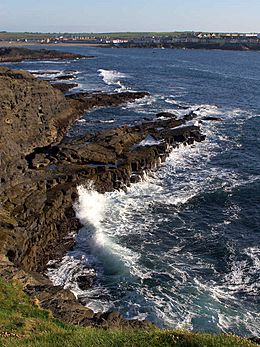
22, 323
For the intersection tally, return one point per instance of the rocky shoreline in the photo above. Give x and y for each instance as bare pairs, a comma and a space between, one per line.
14, 54
40, 172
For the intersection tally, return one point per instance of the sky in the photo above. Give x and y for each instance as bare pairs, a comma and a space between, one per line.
130, 15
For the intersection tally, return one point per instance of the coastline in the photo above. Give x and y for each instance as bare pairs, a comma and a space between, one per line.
60, 183
42, 217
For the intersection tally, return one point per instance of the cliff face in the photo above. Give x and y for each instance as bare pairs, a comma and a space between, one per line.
33, 115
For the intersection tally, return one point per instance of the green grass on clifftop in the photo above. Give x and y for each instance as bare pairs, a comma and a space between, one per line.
23, 323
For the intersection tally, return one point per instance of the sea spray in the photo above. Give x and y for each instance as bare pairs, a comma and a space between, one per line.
113, 78
92, 208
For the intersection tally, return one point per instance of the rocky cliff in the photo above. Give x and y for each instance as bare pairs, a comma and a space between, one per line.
32, 115
40, 173
34, 207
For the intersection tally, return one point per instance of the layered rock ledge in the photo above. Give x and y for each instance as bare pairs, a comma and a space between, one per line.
40, 172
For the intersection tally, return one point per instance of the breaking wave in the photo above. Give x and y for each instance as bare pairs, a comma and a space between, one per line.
113, 78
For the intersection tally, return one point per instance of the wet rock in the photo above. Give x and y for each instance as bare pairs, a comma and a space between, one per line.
212, 118
86, 101
65, 77
86, 281
190, 115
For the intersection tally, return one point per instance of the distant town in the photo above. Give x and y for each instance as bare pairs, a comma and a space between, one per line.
243, 41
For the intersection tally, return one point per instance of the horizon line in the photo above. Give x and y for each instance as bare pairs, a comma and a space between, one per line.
127, 32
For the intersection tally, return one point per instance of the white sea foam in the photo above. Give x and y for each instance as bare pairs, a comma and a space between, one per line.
55, 61
199, 110
50, 74
113, 78
107, 121
188, 124
145, 101
143, 105
93, 209
53, 74
89, 210
66, 272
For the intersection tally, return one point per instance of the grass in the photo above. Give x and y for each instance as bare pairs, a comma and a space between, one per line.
23, 323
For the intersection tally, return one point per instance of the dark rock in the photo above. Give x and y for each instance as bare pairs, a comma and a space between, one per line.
211, 118
182, 107
85, 281
64, 77
190, 115
255, 340
86, 101
61, 302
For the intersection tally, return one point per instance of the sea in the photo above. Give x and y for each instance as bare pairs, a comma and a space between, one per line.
180, 248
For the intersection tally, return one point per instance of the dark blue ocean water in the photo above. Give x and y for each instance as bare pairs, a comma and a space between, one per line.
180, 248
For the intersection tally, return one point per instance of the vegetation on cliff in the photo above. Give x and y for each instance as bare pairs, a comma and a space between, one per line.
23, 323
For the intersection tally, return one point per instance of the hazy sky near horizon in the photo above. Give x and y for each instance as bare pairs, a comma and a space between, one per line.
132, 15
